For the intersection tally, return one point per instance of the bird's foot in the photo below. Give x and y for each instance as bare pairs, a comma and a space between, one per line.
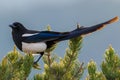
36, 65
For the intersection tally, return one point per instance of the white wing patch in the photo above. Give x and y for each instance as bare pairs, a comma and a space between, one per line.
34, 47
25, 35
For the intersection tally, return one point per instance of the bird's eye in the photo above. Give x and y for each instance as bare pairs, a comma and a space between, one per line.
16, 24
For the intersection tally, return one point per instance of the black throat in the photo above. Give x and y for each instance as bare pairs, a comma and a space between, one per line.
17, 37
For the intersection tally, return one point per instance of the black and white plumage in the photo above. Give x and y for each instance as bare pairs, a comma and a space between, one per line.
38, 41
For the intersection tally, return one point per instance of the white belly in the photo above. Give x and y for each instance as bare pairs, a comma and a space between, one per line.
34, 47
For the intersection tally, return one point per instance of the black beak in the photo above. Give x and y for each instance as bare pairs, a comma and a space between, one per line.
11, 26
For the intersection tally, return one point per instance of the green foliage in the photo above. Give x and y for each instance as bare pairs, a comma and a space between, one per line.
110, 67
67, 68
15, 67
93, 73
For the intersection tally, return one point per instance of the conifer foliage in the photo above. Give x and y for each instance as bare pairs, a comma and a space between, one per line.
14, 66
110, 67
67, 68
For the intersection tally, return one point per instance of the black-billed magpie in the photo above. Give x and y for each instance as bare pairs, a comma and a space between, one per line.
38, 41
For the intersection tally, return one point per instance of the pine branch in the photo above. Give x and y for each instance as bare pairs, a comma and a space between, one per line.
111, 65
69, 65
93, 74
70, 58
14, 66
78, 73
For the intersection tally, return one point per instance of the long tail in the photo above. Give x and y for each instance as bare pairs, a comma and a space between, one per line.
86, 30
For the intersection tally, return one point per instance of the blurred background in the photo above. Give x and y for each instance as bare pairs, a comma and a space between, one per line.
63, 15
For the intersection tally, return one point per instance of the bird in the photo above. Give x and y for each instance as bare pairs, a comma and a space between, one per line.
38, 41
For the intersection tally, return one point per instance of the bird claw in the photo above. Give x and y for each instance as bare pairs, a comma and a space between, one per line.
36, 65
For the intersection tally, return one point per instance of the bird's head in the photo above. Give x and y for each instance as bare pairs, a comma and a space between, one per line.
16, 26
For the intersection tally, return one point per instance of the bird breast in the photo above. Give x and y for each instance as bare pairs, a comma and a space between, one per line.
34, 47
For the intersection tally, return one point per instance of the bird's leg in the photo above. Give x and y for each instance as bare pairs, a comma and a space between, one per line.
41, 54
